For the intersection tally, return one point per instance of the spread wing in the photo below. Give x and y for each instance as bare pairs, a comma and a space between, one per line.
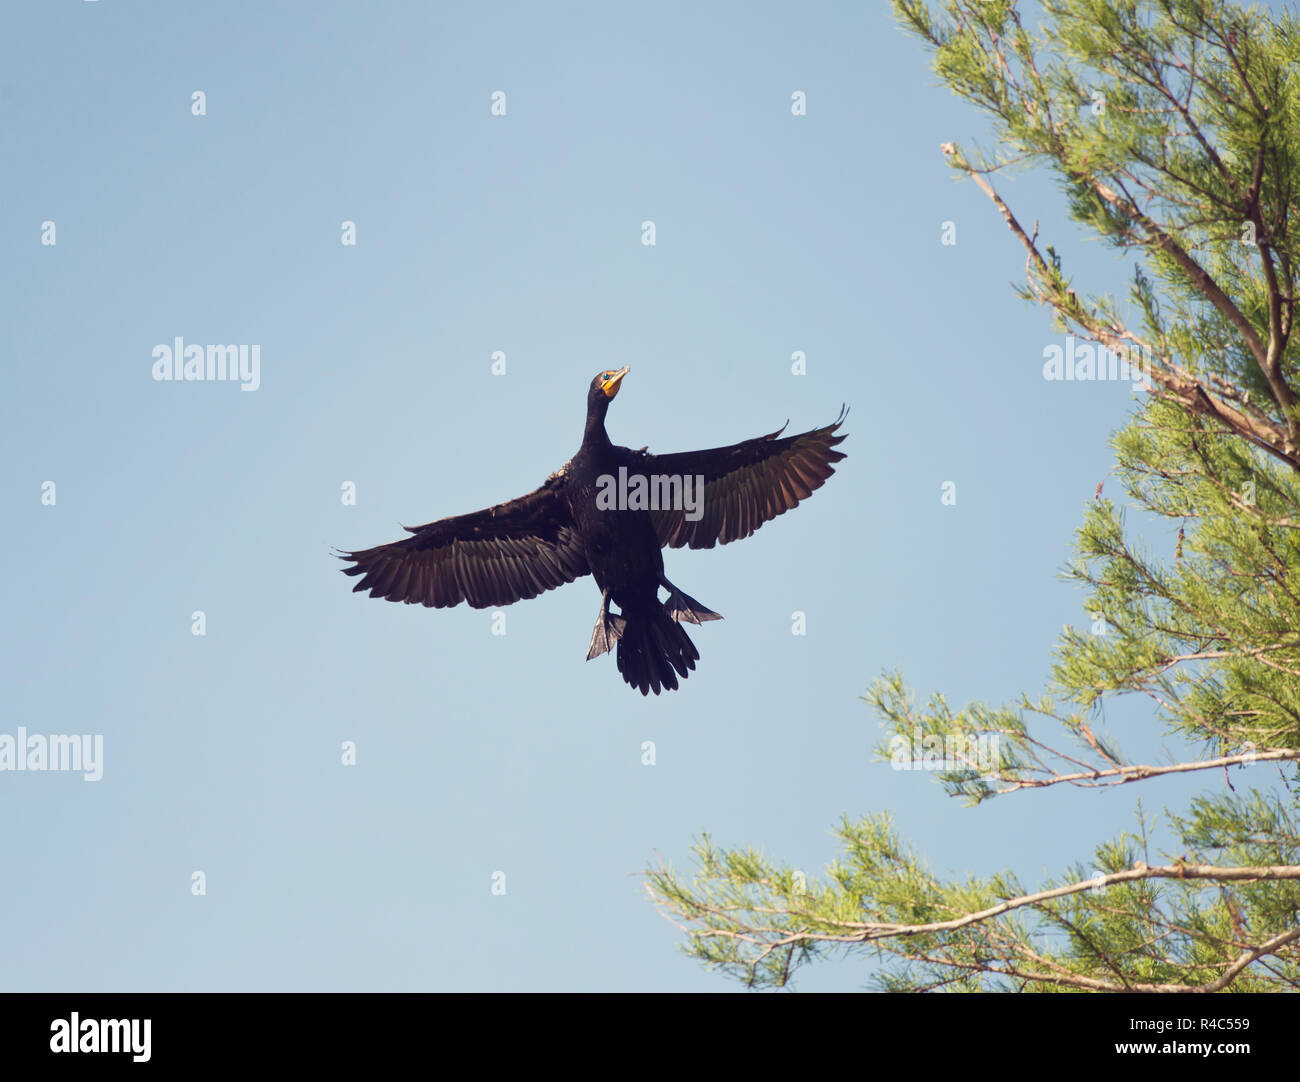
746, 484
497, 556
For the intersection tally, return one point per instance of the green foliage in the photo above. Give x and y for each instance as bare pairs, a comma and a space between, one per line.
758, 920
1173, 127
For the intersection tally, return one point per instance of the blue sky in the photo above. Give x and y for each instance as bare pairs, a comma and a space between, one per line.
479, 753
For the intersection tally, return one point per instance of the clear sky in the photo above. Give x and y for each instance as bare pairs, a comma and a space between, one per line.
479, 753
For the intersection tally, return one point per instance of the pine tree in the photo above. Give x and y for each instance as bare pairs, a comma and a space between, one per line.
1174, 127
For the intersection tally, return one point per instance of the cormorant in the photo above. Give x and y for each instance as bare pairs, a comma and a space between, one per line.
607, 512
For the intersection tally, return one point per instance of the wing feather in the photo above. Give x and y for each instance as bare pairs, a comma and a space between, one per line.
746, 484
493, 557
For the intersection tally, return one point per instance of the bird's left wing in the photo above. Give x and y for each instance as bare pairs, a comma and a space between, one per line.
497, 556
745, 485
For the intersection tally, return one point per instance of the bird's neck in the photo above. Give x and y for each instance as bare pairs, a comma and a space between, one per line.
594, 435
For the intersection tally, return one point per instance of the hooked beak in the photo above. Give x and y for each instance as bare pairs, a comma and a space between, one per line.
610, 386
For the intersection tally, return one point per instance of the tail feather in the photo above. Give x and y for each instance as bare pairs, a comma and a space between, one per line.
653, 650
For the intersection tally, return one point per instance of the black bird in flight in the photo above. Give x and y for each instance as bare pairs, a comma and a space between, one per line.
607, 512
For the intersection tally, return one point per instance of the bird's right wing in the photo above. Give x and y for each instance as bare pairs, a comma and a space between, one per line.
745, 484
497, 556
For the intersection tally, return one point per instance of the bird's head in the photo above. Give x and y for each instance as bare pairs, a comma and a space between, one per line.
605, 385
603, 389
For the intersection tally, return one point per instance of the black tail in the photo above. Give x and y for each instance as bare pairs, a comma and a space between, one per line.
653, 650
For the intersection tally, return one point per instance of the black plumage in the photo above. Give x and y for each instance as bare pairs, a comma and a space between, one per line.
576, 524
